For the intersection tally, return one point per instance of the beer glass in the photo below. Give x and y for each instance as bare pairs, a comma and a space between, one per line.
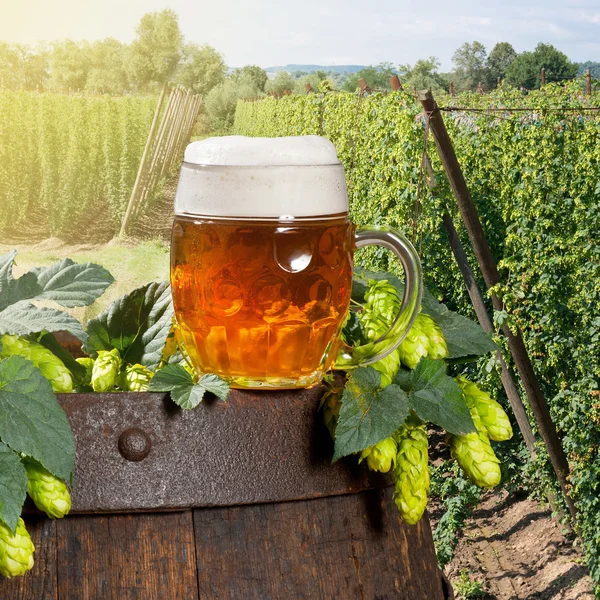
261, 262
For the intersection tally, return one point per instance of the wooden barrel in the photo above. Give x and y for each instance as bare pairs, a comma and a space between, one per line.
232, 500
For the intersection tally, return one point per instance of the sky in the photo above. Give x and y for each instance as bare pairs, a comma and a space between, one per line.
327, 32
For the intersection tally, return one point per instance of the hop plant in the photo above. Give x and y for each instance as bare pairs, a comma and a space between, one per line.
51, 367
136, 378
105, 370
382, 456
49, 493
382, 298
331, 402
16, 551
475, 455
493, 419
412, 470
425, 338
88, 364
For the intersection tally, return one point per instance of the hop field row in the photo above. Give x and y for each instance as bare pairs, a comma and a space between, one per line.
68, 163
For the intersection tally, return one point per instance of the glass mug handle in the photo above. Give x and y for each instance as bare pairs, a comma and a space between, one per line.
391, 239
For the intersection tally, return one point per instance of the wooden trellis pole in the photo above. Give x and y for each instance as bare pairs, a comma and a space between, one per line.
140, 172
491, 276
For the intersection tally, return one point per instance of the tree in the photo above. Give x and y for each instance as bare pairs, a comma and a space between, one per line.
525, 70
424, 75
202, 68
70, 64
499, 59
107, 73
257, 75
377, 77
220, 103
156, 51
594, 68
470, 65
283, 81
300, 84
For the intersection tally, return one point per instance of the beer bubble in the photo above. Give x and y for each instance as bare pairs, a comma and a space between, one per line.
270, 296
224, 295
292, 249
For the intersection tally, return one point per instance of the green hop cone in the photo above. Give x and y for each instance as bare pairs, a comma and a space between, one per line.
105, 370
415, 345
382, 456
493, 418
382, 298
475, 455
387, 367
49, 493
436, 347
16, 551
88, 363
136, 378
331, 402
51, 367
411, 474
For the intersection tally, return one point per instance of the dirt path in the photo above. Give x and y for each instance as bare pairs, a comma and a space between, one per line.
517, 551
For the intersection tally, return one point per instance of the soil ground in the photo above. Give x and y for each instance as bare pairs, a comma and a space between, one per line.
517, 551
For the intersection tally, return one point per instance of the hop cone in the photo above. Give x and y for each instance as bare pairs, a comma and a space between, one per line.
375, 325
382, 456
16, 551
382, 298
493, 418
436, 347
415, 345
476, 456
136, 378
48, 492
51, 367
412, 470
88, 363
105, 370
331, 402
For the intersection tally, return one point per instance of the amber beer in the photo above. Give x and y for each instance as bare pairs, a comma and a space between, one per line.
261, 262
262, 301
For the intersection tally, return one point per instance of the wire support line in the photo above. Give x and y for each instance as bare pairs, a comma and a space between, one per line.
533, 109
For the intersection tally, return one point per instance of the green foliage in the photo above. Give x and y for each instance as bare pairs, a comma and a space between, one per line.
424, 75
156, 50
257, 76
202, 68
470, 65
377, 77
534, 180
458, 497
282, 82
468, 589
499, 60
525, 70
136, 324
187, 391
68, 163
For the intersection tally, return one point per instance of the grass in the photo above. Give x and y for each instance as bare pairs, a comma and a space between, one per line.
131, 265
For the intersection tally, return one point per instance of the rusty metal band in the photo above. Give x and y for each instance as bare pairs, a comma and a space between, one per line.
140, 452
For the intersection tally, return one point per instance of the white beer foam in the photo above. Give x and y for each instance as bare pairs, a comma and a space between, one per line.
238, 150
263, 178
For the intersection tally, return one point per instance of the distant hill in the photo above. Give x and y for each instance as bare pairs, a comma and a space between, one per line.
311, 68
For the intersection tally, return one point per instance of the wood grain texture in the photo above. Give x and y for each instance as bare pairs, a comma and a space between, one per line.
350, 547
40, 582
127, 557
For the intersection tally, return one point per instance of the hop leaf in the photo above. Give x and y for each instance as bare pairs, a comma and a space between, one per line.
136, 378
475, 455
412, 470
52, 368
382, 456
49, 493
105, 370
494, 420
16, 551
